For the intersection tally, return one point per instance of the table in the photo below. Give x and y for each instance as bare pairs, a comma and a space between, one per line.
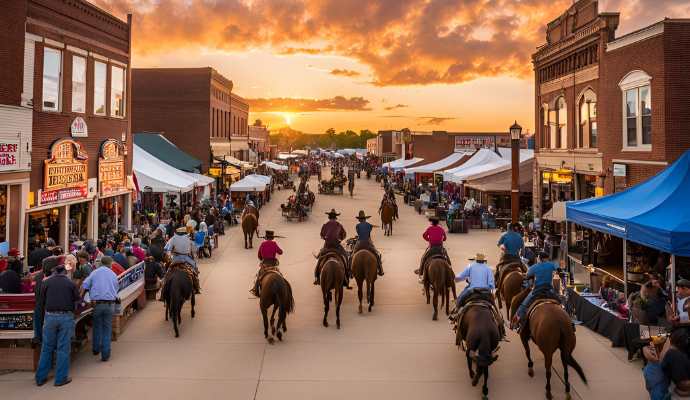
598, 318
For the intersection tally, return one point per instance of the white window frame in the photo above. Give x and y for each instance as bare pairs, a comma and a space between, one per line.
84, 59
113, 68
58, 107
105, 89
589, 96
634, 80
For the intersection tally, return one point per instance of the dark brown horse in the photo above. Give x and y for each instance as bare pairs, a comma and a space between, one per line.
509, 287
332, 279
250, 225
440, 278
177, 289
479, 332
387, 213
551, 329
364, 265
276, 292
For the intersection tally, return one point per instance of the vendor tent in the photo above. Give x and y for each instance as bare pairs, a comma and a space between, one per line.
274, 166
502, 181
248, 184
402, 163
654, 213
481, 157
157, 176
201, 180
489, 166
163, 149
261, 178
440, 165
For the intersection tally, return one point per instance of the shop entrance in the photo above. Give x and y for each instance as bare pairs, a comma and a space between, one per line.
110, 215
78, 222
43, 225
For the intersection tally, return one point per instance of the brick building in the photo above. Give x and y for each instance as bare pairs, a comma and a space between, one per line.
192, 107
607, 106
259, 141
66, 78
372, 146
433, 146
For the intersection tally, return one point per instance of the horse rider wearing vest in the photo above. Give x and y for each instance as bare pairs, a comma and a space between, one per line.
268, 259
435, 235
364, 241
180, 246
542, 273
332, 233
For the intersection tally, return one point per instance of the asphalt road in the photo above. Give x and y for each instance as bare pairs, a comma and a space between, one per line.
395, 352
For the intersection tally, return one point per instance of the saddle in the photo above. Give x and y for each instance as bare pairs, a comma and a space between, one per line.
478, 298
187, 269
539, 300
507, 269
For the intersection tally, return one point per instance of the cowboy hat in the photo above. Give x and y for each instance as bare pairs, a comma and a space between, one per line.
480, 257
181, 229
332, 213
362, 215
269, 235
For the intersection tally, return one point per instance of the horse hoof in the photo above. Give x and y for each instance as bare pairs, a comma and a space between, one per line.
325, 324
271, 340
337, 324
360, 309
530, 372
280, 336
434, 317
485, 397
369, 308
549, 396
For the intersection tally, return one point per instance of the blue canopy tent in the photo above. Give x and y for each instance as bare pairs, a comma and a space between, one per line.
654, 213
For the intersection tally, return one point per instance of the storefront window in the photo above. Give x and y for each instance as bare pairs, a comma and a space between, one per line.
3, 213
109, 215
99, 82
78, 84
43, 225
78, 222
117, 91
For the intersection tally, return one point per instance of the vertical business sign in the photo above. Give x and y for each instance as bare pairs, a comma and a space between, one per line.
111, 167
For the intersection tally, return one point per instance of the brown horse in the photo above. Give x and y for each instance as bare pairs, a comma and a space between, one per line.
551, 329
250, 225
332, 278
439, 277
277, 292
509, 287
479, 332
364, 266
387, 212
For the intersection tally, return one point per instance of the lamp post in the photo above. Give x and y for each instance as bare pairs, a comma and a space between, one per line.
515, 132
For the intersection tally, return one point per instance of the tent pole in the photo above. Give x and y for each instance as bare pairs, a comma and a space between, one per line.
625, 268
673, 281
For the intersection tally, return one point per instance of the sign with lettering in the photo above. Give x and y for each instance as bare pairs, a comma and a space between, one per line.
111, 167
65, 174
9, 155
130, 277
79, 128
471, 143
20, 320
619, 170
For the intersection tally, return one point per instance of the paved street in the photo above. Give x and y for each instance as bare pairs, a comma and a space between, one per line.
395, 352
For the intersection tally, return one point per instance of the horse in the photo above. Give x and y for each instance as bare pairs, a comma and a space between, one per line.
351, 186
479, 334
387, 213
277, 292
509, 286
177, 289
332, 278
364, 264
250, 225
440, 277
551, 329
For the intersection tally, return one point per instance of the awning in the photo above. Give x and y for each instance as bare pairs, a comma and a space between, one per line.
557, 213
248, 184
487, 163
502, 181
163, 149
201, 180
157, 176
261, 178
445, 163
402, 163
234, 161
654, 213
277, 167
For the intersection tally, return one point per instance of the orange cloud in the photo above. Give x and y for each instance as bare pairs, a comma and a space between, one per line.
395, 107
404, 42
434, 120
337, 103
344, 72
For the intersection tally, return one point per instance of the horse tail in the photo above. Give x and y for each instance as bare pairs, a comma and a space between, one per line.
567, 348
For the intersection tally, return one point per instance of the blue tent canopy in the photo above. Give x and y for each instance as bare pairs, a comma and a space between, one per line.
655, 213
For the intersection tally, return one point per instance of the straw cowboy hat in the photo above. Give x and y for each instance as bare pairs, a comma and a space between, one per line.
479, 257
332, 213
362, 215
181, 230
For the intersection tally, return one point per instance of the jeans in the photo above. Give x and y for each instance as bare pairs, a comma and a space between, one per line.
58, 330
38, 323
102, 328
465, 292
656, 382
522, 310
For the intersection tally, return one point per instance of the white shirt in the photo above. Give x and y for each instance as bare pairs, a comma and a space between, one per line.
682, 308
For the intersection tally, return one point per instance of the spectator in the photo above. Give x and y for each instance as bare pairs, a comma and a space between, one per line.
84, 268
14, 262
37, 256
120, 256
102, 287
137, 251
10, 282
47, 266
60, 297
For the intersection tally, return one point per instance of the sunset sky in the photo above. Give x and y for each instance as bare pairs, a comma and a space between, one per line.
460, 65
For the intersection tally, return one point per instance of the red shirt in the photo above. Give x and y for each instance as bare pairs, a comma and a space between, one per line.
435, 235
268, 250
117, 268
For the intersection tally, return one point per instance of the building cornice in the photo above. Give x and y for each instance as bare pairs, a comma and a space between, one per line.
637, 36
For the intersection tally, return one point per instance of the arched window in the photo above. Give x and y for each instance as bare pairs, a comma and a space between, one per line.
637, 110
561, 128
587, 127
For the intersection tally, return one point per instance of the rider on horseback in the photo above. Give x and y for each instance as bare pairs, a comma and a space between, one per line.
435, 235
512, 243
268, 259
180, 246
363, 229
332, 233
542, 273
389, 196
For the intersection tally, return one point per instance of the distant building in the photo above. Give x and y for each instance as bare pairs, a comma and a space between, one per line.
433, 146
259, 141
372, 147
239, 115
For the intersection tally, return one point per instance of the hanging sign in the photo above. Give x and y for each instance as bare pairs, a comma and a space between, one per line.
65, 172
9, 154
619, 170
111, 168
79, 128
471, 143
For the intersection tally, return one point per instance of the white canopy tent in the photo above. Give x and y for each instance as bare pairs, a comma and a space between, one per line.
274, 166
159, 176
402, 163
201, 180
248, 184
261, 178
490, 165
439, 165
287, 156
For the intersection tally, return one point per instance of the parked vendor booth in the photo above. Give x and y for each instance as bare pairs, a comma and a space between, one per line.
651, 220
249, 185
426, 171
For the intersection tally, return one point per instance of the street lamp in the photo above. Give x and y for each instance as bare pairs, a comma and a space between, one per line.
515, 132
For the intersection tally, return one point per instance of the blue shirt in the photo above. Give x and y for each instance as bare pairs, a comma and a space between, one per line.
513, 242
479, 274
101, 284
542, 273
364, 230
121, 259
